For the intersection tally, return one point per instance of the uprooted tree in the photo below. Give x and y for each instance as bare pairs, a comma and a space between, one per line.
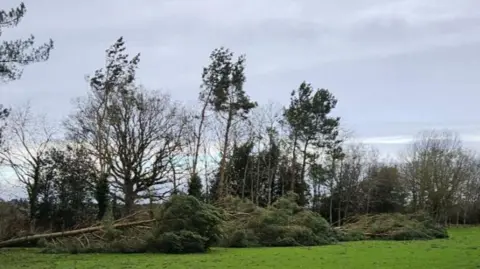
182, 225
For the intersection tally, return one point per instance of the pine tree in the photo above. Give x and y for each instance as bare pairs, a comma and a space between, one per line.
18, 53
195, 187
225, 78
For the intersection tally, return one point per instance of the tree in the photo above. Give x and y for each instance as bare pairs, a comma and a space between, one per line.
140, 131
66, 200
29, 139
225, 78
435, 167
386, 193
334, 155
146, 139
195, 187
90, 124
310, 124
18, 53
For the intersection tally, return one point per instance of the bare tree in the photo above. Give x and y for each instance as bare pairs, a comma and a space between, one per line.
145, 132
89, 124
29, 138
351, 172
435, 167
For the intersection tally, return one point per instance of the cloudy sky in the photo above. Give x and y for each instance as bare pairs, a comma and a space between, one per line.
396, 66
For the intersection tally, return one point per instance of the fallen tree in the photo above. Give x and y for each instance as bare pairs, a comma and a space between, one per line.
183, 224
418, 226
47, 236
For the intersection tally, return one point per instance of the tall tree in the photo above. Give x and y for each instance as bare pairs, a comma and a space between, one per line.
90, 124
225, 78
308, 118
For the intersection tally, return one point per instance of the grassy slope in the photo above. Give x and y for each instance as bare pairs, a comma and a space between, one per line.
462, 250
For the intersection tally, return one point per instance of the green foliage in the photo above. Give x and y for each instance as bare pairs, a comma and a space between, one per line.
18, 53
195, 187
223, 82
310, 124
283, 224
392, 227
178, 242
101, 192
65, 198
188, 224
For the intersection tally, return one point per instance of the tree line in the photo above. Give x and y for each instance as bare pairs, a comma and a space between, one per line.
124, 146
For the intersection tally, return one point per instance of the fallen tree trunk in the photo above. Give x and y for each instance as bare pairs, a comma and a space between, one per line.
28, 238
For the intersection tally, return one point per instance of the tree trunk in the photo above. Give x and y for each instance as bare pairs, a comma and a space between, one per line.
269, 181
129, 197
207, 185
331, 191
304, 161
339, 213
199, 136
244, 180
294, 162
223, 161
257, 183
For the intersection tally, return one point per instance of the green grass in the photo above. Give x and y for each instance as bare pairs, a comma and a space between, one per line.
461, 251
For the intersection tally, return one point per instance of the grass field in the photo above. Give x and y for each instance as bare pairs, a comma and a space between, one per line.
461, 251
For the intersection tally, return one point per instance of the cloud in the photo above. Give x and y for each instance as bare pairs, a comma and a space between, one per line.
320, 32
379, 57
405, 139
387, 140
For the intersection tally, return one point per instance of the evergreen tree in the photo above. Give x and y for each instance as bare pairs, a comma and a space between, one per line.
310, 126
225, 78
18, 53
195, 187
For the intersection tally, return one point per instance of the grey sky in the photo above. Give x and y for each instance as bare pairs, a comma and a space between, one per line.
396, 66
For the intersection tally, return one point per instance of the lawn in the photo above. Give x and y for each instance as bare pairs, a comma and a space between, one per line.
461, 251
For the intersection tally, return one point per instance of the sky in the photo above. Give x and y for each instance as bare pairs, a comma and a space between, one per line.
397, 67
